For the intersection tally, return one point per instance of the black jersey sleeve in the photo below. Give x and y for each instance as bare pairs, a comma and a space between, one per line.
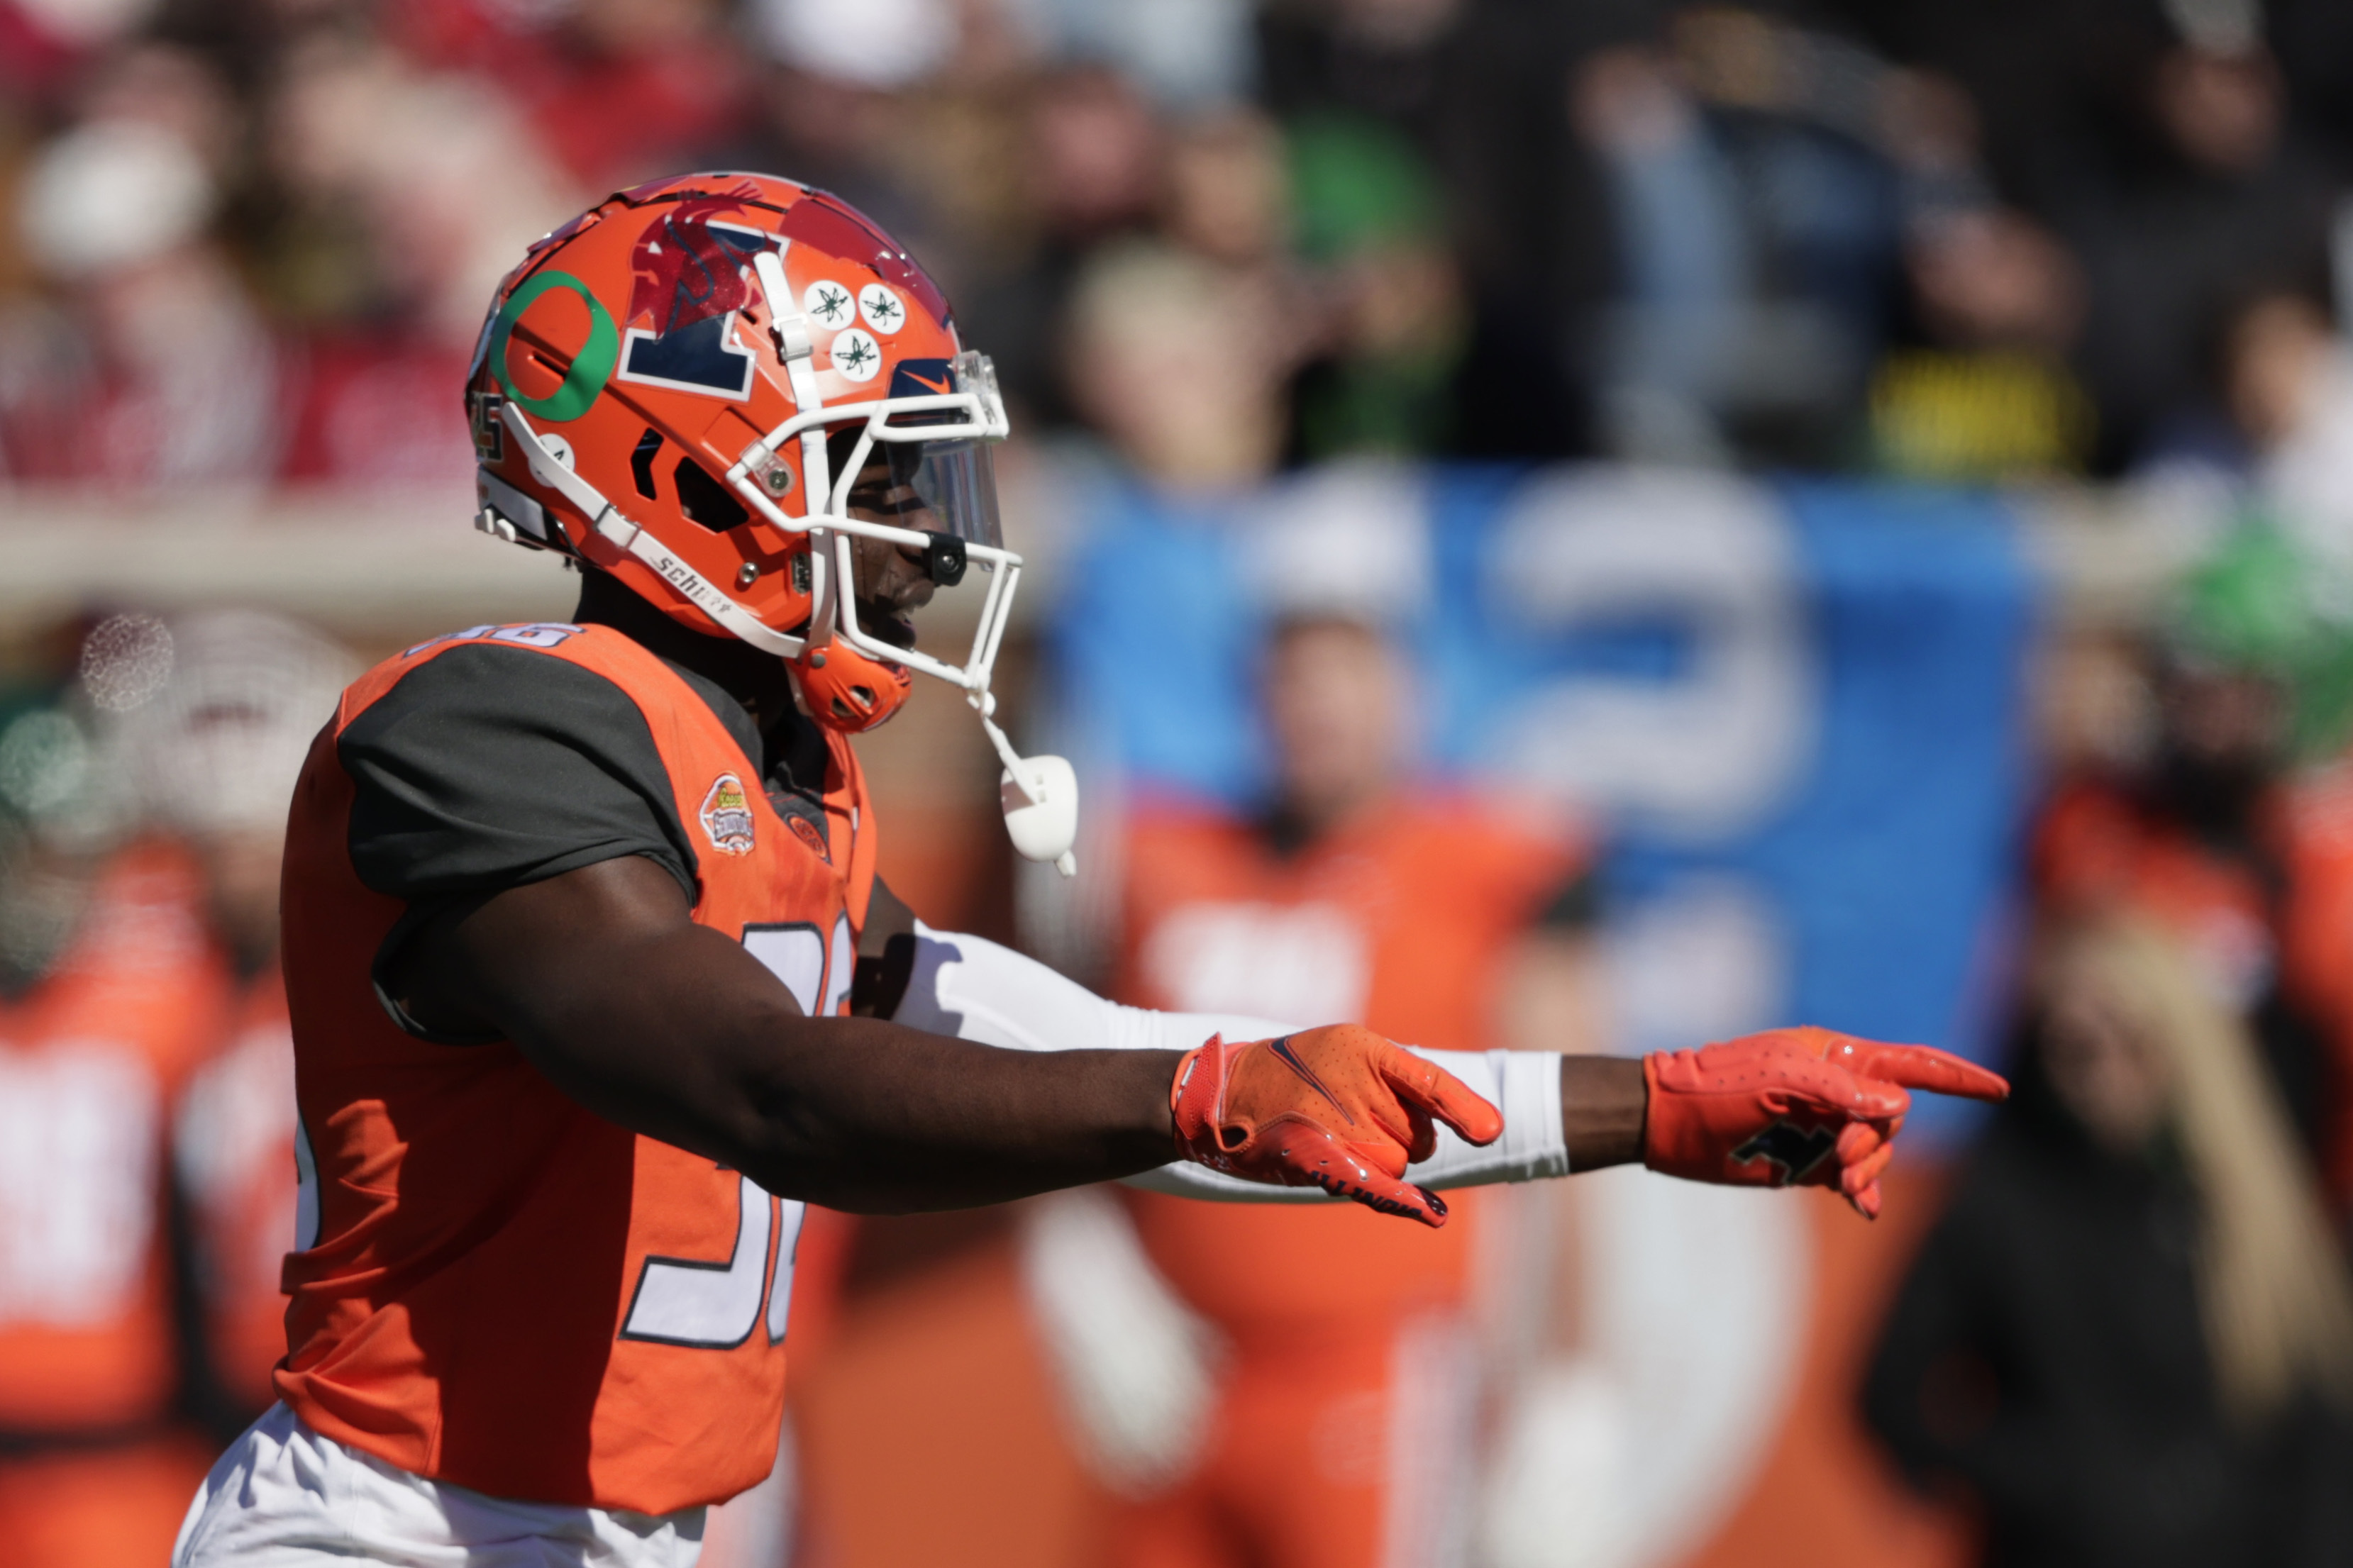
489, 767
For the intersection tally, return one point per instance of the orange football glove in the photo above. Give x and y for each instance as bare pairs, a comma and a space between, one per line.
1803, 1106
1337, 1108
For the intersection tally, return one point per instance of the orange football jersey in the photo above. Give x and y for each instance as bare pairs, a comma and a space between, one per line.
90, 1060
1400, 920
503, 1290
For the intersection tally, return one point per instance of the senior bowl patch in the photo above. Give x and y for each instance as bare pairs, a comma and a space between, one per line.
727, 816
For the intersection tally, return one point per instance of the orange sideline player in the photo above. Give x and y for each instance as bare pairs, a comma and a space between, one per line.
105, 1003
217, 750
1356, 895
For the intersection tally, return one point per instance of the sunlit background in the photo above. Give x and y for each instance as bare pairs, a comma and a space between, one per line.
1869, 486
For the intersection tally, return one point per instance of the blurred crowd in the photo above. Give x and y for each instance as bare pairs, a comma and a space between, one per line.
250, 240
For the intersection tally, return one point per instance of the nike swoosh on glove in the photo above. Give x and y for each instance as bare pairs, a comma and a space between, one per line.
1338, 1108
1802, 1105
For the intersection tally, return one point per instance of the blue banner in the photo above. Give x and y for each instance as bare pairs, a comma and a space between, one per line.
1797, 712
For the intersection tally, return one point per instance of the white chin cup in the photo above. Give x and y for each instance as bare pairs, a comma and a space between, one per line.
1042, 811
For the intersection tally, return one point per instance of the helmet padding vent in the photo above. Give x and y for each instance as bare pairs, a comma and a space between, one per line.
704, 499
641, 463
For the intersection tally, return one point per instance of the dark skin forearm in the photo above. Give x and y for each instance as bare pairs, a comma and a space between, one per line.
674, 1031
1603, 1103
1602, 1099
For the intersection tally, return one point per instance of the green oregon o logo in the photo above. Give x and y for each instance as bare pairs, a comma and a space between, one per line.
591, 367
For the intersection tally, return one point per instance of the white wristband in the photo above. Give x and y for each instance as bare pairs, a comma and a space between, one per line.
972, 988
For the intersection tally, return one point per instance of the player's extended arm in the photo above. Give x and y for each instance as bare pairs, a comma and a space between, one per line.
1559, 1112
603, 982
1789, 1106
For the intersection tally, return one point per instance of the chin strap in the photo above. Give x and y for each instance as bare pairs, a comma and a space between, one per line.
621, 532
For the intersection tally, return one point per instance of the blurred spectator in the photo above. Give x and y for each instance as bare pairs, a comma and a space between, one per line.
146, 365
854, 104
1354, 892
617, 90
1227, 193
1667, 347
215, 750
408, 194
1987, 395
1384, 59
1372, 231
1092, 154
1186, 55
2222, 201
2288, 379
1760, 176
1180, 365
106, 998
2130, 1339
44, 42
1477, 89
2214, 834
2313, 40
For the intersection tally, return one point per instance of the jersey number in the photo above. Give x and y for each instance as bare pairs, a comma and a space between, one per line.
715, 1305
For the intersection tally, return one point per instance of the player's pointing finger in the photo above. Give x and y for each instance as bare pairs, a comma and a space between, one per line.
1941, 1072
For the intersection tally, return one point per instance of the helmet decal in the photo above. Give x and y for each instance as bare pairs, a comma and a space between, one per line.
828, 304
857, 356
824, 222
591, 367
921, 378
882, 309
687, 283
686, 269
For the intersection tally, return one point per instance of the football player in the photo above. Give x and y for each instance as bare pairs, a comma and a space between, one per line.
592, 985
106, 1001
215, 751
1353, 894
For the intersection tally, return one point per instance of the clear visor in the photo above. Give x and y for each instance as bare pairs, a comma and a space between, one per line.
946, 484
955, 481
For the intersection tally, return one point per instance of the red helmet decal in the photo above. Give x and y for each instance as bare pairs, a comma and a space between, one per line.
825, 224
687, 272
687, 282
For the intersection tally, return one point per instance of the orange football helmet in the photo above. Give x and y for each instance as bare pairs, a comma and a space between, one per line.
681, 386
